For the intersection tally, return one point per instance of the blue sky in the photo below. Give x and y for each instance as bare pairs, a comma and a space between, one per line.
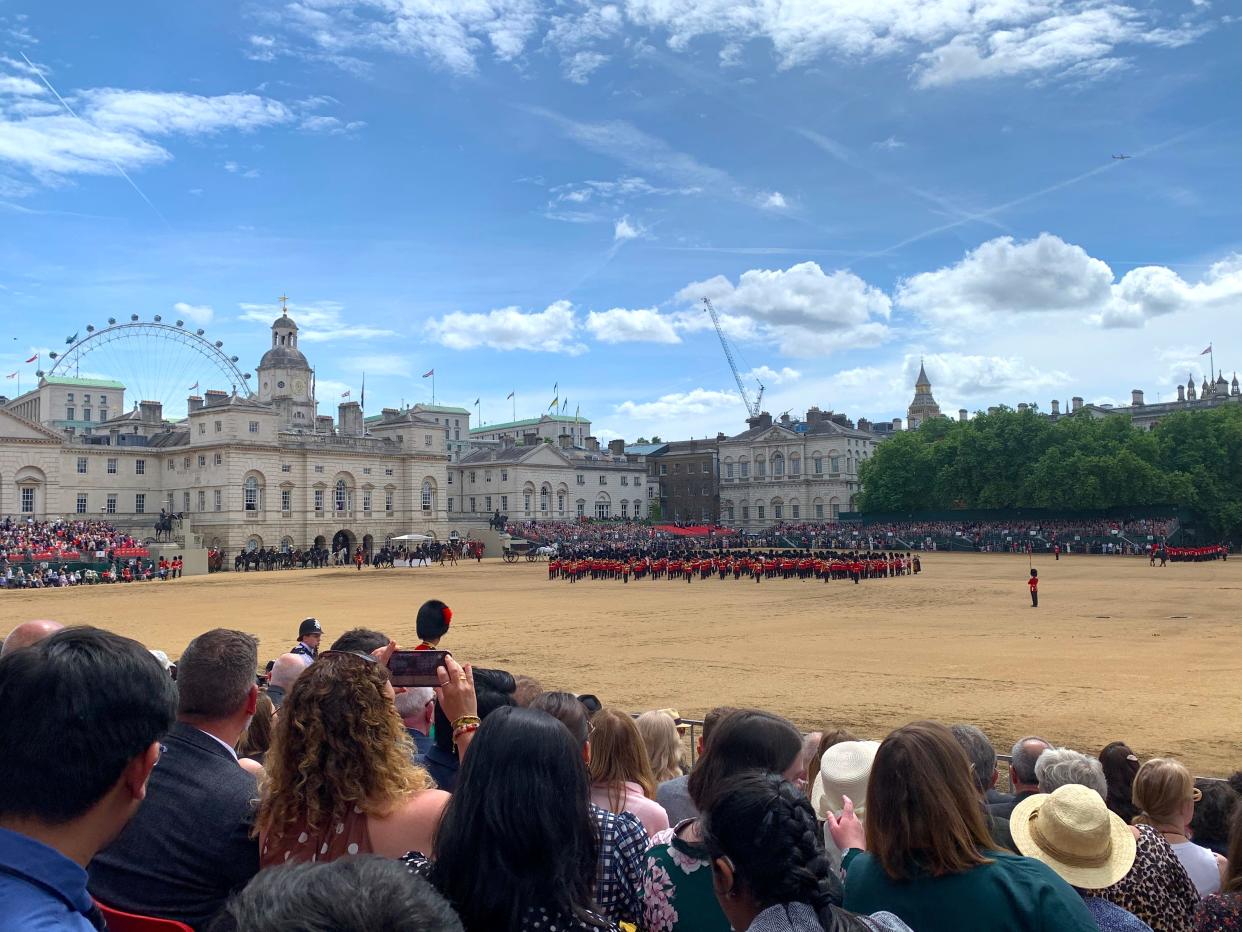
519, 193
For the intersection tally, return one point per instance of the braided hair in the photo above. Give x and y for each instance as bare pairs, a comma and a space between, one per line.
767, 828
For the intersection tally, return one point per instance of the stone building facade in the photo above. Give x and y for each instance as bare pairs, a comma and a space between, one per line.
791, 470
265, 470
686, 474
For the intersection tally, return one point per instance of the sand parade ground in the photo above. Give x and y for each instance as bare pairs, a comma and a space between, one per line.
1116, 650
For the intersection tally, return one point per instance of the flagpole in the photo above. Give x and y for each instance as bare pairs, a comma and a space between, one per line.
433, 386
513, 395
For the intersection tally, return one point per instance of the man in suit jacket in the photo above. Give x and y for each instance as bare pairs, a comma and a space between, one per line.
190, 847
1021, 774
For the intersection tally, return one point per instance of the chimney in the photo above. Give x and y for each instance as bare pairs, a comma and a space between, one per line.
863, 423
896, 423
530, 438
1136, 397
616, 447
506, 441
389, 413
567, 441
323, 423
813, 414
1076, 401
1056, 408
592, 444
215, 397
785, 419
962, 414
194, 402
349, 419
1181, 393
152, 412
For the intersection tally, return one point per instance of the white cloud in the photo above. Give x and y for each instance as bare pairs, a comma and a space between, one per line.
976, 377
551, 330
769, 376
236, 168
624, 230
330, 125
581, 65
261, 48
680, 404
346, 333
1153, 291
200, 314
329, 391
891, 143
318, 322
802, 308
641, 325
774, 201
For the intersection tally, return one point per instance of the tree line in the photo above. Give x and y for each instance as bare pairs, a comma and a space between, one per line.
1022, 459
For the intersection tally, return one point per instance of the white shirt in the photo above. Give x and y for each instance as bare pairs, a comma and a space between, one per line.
1200, 864
227, 747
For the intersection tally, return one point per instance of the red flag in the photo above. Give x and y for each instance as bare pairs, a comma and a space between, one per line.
33, 358
428, 374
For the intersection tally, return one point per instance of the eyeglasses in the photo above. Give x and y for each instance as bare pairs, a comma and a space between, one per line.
347, 653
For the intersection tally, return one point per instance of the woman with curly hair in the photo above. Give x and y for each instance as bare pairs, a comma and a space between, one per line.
340, 777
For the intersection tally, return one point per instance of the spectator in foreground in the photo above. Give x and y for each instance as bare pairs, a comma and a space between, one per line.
622, 838
353, 895
844, 771
1022, 779
27, 634
769, 870
621, 779
257, 738
658, 731
928, 856
285, 670
826, 740
1120, 765
84, 712
1213, 815
1222, 912
190, 845
983, 770
493, 689
517, 848
416, 706
361, 641
677, 887
528, 690
1165, 793
363, 794
673, 794
1059, 767
1073, 832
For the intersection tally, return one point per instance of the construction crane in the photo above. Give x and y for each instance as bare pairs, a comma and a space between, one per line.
752, 408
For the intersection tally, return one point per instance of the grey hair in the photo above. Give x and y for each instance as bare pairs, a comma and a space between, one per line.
1058, 767
286, 669
979, 751
414, 699
1022, 761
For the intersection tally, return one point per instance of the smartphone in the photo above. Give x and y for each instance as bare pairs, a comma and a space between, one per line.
416, 667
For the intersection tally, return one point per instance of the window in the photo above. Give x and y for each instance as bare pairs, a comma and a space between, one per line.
450, 503
427, 496
581, 508
202, 501
69, 396
286, 500
202, 460
543, 499
472, 477
318, 467
202, 427
250, 496
86, 399
760, 507
664, 469
219, 426
426, 440
112, 466
387, 470
342, 495
69, 414
86, 414
526, 503
744, 469
285, 467
778, 511
82, 465
692, 467
676, 468
795, 465
103, 399
140, 503
603, 480
794, 510
319, 500
185, 501
728, 470
836, 464
761, 467
819, 511
218, 459
366, 470
109, 504
140, 467
472, 503
504, 475
185, 463
254, 427
504, 503
487, 503
388, 502
219, 500
581, 479
170, 464
818, 465
366, 502
81, 503
487, 476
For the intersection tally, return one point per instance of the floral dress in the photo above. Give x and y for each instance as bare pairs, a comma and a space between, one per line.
677, 886
1220, 912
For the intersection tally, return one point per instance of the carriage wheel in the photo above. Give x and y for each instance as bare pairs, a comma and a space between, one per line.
532, 557
510, 557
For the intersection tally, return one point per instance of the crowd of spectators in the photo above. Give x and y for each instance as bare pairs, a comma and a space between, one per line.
317, 796
27, 540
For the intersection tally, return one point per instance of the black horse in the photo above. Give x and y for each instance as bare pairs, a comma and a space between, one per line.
164, 524
497, 522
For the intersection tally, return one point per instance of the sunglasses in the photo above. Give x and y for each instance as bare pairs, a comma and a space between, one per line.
591, 703
357, 655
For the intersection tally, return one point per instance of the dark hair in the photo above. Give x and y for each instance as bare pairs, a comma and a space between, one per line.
745, 740
364, 892
1213, 812
1233, 876
360, 641
493, 689
430, 622
257, 737
566, 708
1120, 765
517, 833
923, 812
1235, 780
713, 718
767, 829
215, 672
78, 707
979, 752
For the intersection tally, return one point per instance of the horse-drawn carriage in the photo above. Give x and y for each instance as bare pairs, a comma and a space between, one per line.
515, 550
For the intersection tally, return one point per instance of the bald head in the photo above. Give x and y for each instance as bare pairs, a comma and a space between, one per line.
1022, 763
27, 633
285, 670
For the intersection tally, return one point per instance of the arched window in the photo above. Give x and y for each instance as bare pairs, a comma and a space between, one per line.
817, 464
560, 503
250, 494
778, 464
761, 466
543, 499
342, 495
426, 495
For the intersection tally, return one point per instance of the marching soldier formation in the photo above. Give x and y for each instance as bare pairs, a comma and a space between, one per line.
736, 565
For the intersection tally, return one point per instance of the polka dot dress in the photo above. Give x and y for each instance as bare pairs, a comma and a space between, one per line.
344, 836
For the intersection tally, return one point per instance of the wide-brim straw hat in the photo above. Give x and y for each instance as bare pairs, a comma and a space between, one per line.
843, 771
1073, 832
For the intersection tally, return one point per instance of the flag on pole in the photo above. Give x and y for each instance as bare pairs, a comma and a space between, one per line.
11, 375
345, 394
510, 395
71, 339
477, 400
194, 387
1206, 351
555, 402
429, 373
556, 396
34, 358
364, 390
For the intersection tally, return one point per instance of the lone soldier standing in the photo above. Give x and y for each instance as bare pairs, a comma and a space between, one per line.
1033, 582
309, 634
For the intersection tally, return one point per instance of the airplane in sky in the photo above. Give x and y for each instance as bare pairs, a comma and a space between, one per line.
1123, 156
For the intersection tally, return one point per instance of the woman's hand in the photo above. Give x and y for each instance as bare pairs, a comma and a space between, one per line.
846, 830
456, 690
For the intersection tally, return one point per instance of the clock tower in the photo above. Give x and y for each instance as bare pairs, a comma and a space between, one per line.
285, 377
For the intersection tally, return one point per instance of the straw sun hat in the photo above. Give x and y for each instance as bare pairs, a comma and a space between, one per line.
843, 771
1074, 833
